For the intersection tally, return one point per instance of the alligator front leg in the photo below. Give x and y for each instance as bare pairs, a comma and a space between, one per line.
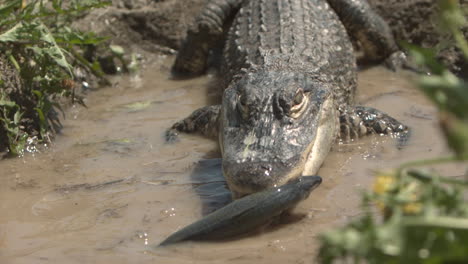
203, 120
370, 30
202, 36
359, 121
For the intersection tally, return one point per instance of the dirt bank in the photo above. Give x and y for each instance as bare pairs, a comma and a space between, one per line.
415, 21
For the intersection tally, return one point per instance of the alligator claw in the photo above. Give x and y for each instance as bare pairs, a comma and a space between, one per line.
171, 135
403, 137
399, 60
396, 61
359, 121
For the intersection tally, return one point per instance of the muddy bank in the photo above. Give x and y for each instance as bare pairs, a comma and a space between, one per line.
154, 26
415, 21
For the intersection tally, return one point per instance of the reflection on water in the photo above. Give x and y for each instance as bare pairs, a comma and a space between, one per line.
210, 185
110, 186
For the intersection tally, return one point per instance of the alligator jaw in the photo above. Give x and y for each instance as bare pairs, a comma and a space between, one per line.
326, 134
318, 150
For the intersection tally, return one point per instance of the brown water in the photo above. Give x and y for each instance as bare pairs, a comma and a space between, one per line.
109, 185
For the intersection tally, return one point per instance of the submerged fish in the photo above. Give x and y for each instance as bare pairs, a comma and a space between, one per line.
247, 213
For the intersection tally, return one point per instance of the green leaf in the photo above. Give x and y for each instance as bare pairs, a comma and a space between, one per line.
435, 240
12, 130
41, 115
456, 133
117, 50
423, 56
38, 32
17, 117
13, 34
69, 36
38, 94
451, 15
14, 62
55, 52
6, 9
57, 5
427, 177
17, 144
8, 103
137, 106
133, 65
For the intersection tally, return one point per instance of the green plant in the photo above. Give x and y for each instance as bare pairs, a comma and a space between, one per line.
36, 40
423, 215
12, 126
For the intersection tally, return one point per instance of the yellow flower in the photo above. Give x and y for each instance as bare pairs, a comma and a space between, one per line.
386, 181
383, 183
412, 208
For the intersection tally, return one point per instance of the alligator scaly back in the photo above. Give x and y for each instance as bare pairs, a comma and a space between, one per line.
303, 36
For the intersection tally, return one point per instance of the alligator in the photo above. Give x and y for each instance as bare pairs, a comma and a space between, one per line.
289, 77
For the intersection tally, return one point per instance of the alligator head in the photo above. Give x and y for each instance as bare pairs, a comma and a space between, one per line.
275, 127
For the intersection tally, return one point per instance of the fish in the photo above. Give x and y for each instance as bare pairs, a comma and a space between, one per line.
247, 213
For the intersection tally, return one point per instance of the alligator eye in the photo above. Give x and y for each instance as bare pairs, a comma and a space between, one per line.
299, 103
298, 97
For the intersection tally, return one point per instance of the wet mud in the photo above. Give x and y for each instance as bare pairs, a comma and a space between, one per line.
110, 187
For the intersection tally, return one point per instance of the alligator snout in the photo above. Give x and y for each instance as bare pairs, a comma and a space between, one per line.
250, 177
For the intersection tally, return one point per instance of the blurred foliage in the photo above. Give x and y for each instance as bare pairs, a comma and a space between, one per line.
423, 215
35, 38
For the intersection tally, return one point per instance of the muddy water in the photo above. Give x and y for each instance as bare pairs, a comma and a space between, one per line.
109, 186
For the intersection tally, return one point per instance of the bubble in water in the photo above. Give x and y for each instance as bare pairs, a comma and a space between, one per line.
170, 212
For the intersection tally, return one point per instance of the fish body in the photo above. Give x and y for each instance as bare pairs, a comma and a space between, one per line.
247, 213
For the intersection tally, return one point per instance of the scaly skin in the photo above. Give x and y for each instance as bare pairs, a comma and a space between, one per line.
290, 77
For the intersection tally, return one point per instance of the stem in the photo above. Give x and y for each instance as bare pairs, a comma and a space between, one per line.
427, 177
87, 65
14, 62
461, 41
430, 162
